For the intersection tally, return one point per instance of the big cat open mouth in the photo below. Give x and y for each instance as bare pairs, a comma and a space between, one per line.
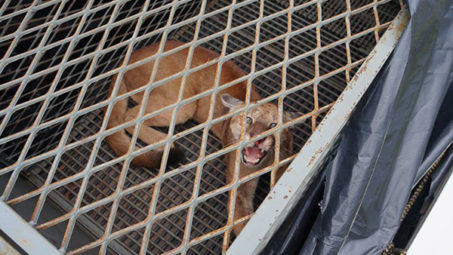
252, 155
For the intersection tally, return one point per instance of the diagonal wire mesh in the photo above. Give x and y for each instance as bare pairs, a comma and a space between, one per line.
58, 58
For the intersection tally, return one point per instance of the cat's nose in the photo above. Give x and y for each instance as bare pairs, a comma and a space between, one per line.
256, 129
258, 142
256, 132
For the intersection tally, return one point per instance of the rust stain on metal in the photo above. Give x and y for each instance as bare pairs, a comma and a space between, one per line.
26, 242
311, 160
225, 244
340, 99
226, 230
6, 248
320, 125
316, 154
401, 26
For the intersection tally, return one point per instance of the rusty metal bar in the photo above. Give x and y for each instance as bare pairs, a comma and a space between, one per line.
292, 184
22, 233
69, 172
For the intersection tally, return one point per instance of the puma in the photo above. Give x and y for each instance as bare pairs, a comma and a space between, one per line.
259, 119
255, 155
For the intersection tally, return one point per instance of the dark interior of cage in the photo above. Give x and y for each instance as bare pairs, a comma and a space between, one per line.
211, 214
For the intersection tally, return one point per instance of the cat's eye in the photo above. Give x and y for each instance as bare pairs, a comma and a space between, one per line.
248, 120
272, 125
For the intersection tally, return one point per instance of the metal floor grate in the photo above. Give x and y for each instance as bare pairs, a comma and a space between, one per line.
46, 74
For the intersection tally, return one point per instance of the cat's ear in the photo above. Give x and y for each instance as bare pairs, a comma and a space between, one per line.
288, 116
230, 102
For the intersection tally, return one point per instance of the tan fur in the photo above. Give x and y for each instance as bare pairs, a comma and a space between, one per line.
262, 117
202, 80
167, 94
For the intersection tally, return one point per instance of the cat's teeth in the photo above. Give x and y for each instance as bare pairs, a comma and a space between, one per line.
246, 159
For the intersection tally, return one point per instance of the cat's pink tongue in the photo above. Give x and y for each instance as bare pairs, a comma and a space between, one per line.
253, 153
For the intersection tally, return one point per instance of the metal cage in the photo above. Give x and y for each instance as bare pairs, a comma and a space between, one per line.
58, 58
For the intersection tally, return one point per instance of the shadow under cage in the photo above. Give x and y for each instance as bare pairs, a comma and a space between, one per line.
56, 68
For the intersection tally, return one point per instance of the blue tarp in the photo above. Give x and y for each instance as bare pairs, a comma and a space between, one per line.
400, 127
